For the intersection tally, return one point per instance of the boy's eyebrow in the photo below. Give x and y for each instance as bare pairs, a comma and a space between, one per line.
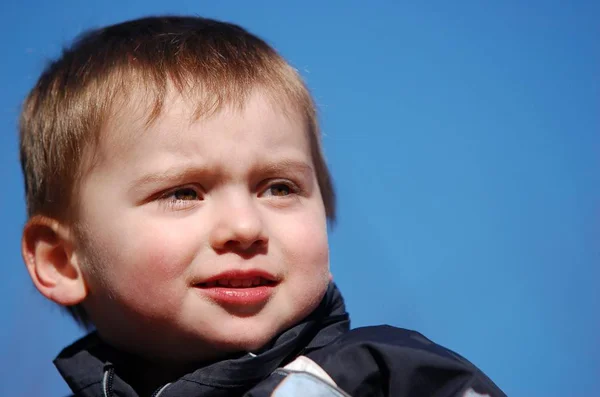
182, 173
173, 174
274, 167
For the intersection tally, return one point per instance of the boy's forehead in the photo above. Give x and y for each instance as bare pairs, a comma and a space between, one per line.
135, 115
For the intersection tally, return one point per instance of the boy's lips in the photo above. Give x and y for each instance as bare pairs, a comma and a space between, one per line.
238, 279
239, 287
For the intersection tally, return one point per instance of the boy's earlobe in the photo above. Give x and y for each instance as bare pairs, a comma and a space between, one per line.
48, 251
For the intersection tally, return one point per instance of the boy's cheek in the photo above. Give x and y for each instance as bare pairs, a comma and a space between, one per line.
143, 256
159, 253
306, 237
145, 280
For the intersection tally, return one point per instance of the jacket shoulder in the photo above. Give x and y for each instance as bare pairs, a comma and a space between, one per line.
389, 361
387, 334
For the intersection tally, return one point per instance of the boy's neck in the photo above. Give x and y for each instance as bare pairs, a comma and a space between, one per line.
146, 376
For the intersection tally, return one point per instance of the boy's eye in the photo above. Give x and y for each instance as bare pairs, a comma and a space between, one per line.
279, 189
185, 194
181, 198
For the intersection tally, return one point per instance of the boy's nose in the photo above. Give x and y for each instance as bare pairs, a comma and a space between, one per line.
239, 228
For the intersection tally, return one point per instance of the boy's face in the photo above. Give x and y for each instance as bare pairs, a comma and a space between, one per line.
202, 237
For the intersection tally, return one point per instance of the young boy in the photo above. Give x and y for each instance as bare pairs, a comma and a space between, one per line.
178, 202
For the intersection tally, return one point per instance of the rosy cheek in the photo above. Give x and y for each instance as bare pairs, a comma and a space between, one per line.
160, 255
307, 243
150, 277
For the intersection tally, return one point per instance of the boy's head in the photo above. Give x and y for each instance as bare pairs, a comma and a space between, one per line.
176, 190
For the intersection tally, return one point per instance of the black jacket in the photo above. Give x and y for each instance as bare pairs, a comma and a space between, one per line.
370, 361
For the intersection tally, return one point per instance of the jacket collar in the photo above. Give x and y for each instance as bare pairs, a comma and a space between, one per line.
87, 365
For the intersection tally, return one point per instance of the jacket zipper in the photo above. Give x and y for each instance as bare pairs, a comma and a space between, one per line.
159, 391
107, 382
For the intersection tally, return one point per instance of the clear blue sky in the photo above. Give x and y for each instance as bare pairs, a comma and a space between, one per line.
464, 138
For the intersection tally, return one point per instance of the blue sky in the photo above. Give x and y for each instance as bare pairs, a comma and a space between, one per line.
463, 138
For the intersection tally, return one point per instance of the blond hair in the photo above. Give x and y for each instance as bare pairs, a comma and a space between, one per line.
217, 63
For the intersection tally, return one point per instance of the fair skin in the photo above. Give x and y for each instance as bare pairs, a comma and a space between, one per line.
177, 203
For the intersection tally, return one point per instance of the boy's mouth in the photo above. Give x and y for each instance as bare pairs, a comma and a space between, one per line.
239, 288
239, 279
237, 283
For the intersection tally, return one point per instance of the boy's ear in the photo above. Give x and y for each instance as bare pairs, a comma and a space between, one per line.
48, 251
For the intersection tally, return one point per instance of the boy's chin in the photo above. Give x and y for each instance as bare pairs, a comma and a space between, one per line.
244, 342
